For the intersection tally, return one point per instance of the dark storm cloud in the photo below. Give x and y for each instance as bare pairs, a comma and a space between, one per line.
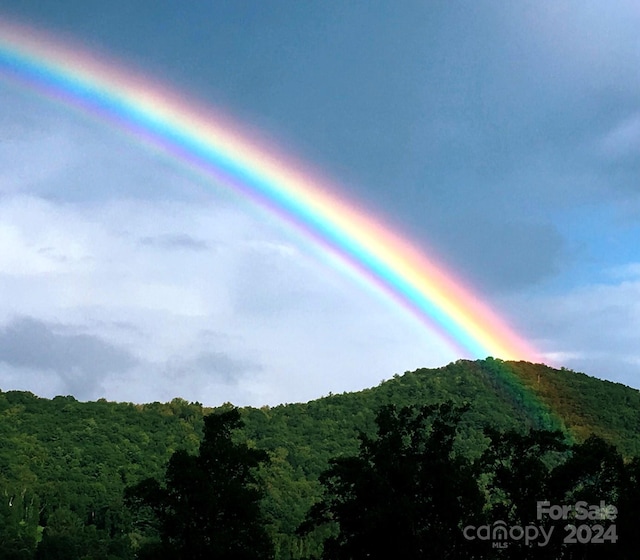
81, 361
501, 255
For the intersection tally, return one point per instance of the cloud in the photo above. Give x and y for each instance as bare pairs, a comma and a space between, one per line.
53, 152
286, 324
286, 283
36, 146
208, 367
617, 161
626, 273
175, 241
591, 328
623, 141
498, 254
214, 367
80, 361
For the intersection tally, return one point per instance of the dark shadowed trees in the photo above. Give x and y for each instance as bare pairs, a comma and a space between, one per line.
407, 494
209, 504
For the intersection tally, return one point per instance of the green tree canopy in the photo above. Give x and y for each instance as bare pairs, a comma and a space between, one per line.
407, 494
209, 504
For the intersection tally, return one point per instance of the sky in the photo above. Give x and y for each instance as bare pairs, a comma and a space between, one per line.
502, 138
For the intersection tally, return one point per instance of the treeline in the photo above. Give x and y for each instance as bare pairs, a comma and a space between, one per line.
409, 492
65, 465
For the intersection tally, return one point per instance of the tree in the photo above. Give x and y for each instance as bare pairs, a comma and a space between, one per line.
595, 473
518, 467
209, 504
18, 524
407, 494
629, 510
516, 476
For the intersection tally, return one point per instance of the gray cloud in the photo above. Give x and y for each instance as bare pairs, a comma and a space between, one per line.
593, 328
497, 255
204, 375
177, 241
80, 361
284, 283
222, 366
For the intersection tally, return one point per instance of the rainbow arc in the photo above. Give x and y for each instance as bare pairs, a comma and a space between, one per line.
197, 137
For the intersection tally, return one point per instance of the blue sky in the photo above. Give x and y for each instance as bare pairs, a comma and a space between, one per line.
504, 138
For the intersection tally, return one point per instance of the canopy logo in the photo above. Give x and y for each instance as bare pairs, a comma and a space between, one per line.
501, 535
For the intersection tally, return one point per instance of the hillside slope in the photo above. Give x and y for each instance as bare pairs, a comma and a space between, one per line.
78, 457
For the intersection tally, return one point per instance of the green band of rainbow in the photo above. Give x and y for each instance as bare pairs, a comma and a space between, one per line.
196, 137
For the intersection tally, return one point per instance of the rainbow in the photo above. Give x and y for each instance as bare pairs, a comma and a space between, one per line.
197, 137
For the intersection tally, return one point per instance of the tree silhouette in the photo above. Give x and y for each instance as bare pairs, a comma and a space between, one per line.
595, 473
407, 494
209, 504
629, 510
516, 472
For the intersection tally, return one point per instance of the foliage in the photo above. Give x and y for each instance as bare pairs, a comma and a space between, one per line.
209, 505
64, 459
406, 494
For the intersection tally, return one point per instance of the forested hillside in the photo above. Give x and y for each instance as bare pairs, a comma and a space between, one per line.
64, 465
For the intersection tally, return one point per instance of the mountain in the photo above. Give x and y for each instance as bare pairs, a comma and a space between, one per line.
60, 455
